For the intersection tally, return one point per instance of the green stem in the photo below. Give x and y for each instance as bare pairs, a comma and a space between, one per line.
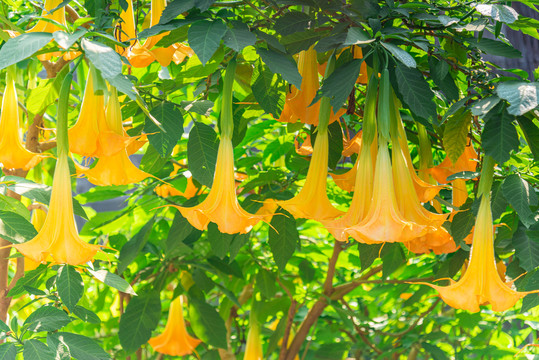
325, 107
487, 176
384, 105
369, 118
227, 118
425, 153
61, 125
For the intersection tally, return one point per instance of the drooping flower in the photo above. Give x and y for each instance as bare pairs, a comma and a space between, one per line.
58, 240
13, 155
116, 168
253, 348
298, 102
166, 190
175, 340
346, 181
312, 201
38, 219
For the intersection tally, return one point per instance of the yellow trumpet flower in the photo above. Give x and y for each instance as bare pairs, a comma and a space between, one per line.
114, 169
38, 219
58, 240
384, 221
165, 190
12, 153
253, 348
481, 284
312, 201
175, 340
221, 205
298, 102
346, 181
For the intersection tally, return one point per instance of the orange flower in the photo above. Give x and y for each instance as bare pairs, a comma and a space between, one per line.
253, 348
306, 148
175, 340
298, 102
12, 153
165, 190
312, 201
58, 240
346, 181
481, 284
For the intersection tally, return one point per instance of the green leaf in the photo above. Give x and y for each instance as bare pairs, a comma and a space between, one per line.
239, 36
151, 161
401, 55
81, 347
456, 133
483, 106
435, 351
531, 133
15, 228
392, 257
180, 232
123, 84
367, 254
86, 315
283, 237
45, 93
291, 22
439, 71
493, 47
70, 286
340, 83
103, 57
522, 96
357, 36
526, 245
332, 351
139, 320
171, 119
207, 325
415, 92
265, 282
501, 13
66, 40
499, 137
113, 280
4, 328
47, 318
202, 149
21, 47
175, 8
306, 271
520, 195
201, 107
8, 351
300, 41
280, 63
268, 90
462, 224
204, 38
220, 242
35, 350
130, 250
30, 278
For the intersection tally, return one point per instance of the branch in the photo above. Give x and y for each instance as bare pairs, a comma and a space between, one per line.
289, 320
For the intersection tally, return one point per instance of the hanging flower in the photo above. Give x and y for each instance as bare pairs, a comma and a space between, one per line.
12, 153
312, 201
253, 348
175, 340
298, 102
346, 181
166, 190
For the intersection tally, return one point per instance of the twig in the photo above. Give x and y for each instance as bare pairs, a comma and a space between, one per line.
289, 320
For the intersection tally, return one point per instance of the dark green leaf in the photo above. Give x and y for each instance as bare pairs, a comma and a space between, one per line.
139, 320
367, 254
36, 350
456, 133
531, 133
130, 250
202, 149
15, 228
171, 119
151, 161
82, 347
526, 245
175, 8
415, 92
268, 90
400, 54
300, 41
21, 47
70, 286
494, 47
357, 36
500, 137
113, 280
291, 22
180, 231
520, 195
306, 271
30, 278
483, 106
283, 237
462, 224
435, 352
207, 324
47, 318
204, 38
86, 315
340, 83
265, 282
239, 36
8, 351
392, 257
282, 64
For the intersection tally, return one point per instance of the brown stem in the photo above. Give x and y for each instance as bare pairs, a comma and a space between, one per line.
289, 320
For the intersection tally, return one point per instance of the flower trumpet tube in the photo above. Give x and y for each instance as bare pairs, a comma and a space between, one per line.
481, 284
49, 27
58, 240
12, 153
126, 28
221, 205
253, 348
175, 340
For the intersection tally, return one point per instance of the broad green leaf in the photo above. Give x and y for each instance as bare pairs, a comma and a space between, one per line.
152, 162
4, 327
282, 64
435, 351
103, 57
494, 47
123, 84
239, 36
531, 133
70, 286
180, 232
130, 250
521, 195
300, 41
47, 318
8, 351
522, 96
461, 226
268, 90
271, 40
86, 315
415, 92
10, 204
58, 347
139, 320
392, 257
501, 13
220, 242
526, 244
357, 36
307, 271
332, 351
483, 106
175, 8
367, 254
45, 93
15, 228
401, 55
283, 237
66, 40
500, 137
456, 133
202, 149
21, 47
340, 83
207, 325
36, 350
439, 71
30, 278
291, 22
113, 280
204, 38
81, 347
265, 282
171, 119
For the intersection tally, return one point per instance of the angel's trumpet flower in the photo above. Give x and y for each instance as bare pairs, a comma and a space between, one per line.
59, 241
298, 102
175, 340
12, 153
347, 180
481, 284
115, 169
253, 348
142, 54
38, 219
384, 221
126, 30
221, 205
49, 27
165, 190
